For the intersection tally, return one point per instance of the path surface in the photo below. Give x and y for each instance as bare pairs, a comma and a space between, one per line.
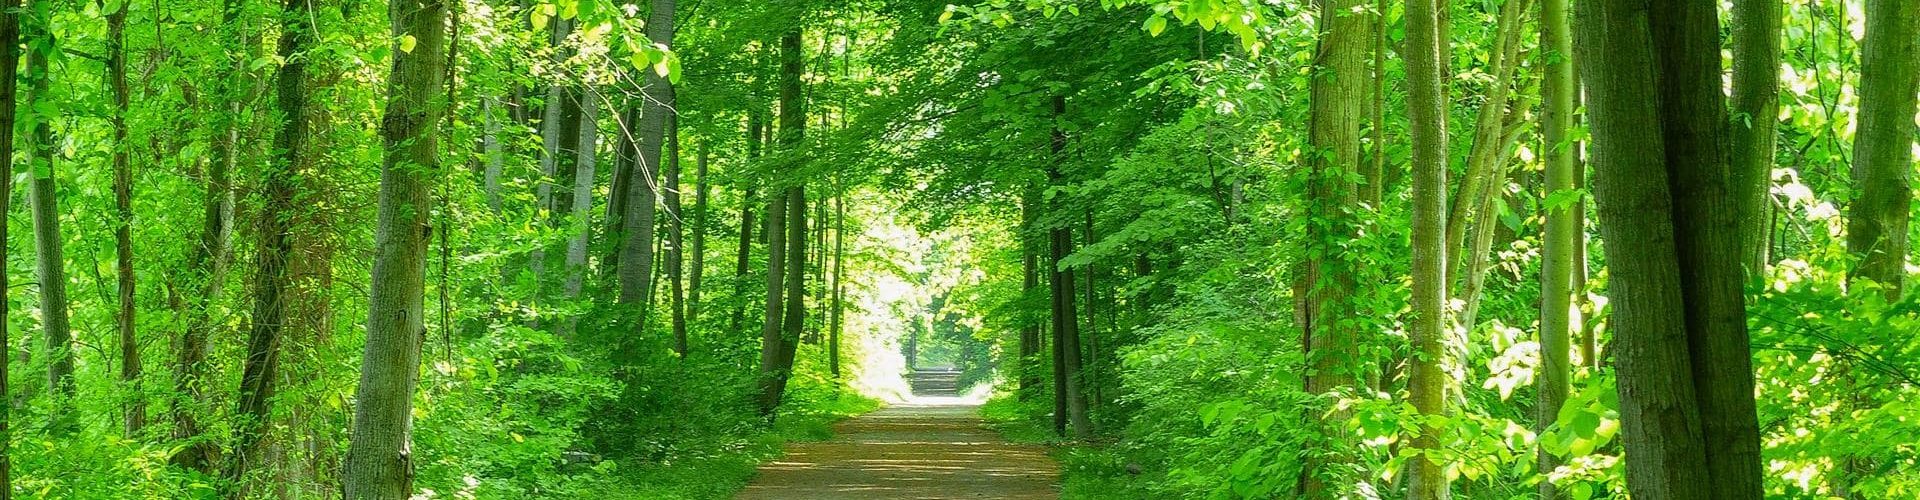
936, 448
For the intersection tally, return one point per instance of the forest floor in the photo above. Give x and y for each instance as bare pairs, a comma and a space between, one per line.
935, 447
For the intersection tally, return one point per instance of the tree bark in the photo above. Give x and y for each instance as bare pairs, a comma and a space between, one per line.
839, 281
1029, 367
552, 120
636, 254
49, 247
586, 153
697, 264
1337, 107
1066, 321
1563, 227
9, 69
1427, 104
1756, 116
274, 228
1877, 221
786, 214
1685, 374
379, 462
136, 409
676, 236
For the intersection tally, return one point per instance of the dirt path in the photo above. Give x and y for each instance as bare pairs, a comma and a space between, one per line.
916, 451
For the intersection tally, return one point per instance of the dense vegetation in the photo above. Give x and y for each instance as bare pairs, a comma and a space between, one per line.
1211, 248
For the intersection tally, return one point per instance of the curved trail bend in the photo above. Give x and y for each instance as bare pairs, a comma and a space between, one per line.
933, 448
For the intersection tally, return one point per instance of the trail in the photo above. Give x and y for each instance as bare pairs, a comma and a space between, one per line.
935, 448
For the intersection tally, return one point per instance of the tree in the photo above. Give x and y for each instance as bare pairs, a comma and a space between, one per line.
1685, 376
1427, 105
676, 236
786, 226
275, 230
379, 464
1066, 323
9, 69
637, 231
136, 413
212, 252
1877, 221
1562, 239
43, 198
1756, 108
1327, 285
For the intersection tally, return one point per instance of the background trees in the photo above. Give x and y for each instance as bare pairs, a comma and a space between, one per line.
1244, 249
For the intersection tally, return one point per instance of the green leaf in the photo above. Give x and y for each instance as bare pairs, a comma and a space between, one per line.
1156, 24
407, 42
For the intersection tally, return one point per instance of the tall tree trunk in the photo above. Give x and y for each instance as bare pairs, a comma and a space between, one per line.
496, 156
697, 272
1326, 286
636, 254
1029, 366
379, 463
786, 213
771, 343
1562, 240
43, 198
1066, 321
1883, 144
1756, 116
839, 280
742, 263
1685, 373
1427, 103
207, 269
1489, 144
9, 68
581, 223
274, 228
676, 235
1879, 219
552, 147
136, 410
796, 275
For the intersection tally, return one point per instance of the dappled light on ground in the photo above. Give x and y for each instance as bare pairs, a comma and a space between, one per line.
933, 448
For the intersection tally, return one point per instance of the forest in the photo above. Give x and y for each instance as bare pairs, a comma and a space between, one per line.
1082, 249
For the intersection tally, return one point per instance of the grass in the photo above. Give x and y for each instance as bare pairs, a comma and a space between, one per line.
727, 467
1088, 471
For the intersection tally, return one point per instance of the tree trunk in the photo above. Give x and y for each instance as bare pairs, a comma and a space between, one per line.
136, 410
697, 263
786, 214
796, 275
1563, 228
1029, 366
676, 235
274, 228
1883, 144
839, 282
771, 343
9, 69
49, 247
1066, 321
379, 462
1685, 375
636, 254
1336, 111
743, 262
1489, 144
586, 154
496, 157
1756, 116
1427, 103
552, 120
